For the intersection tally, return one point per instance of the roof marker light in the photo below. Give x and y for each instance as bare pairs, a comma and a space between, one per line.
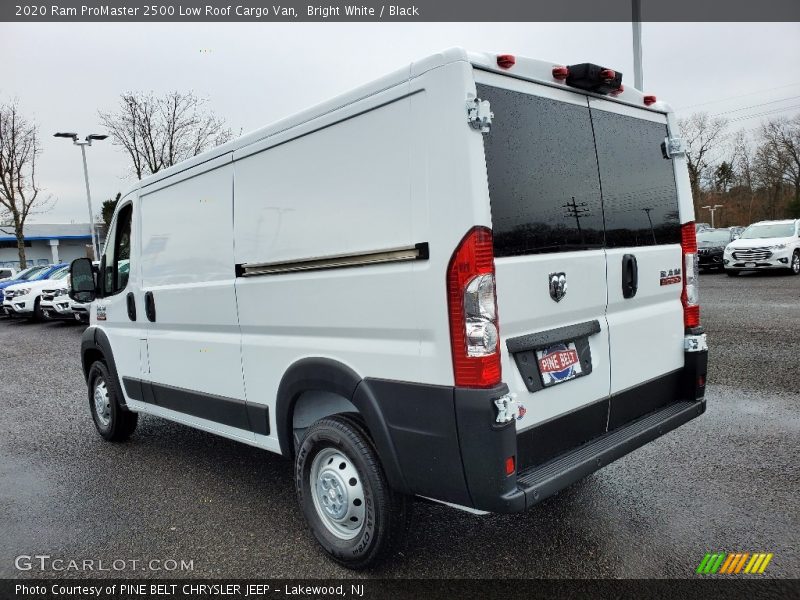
648, 100
560, 72
506, 61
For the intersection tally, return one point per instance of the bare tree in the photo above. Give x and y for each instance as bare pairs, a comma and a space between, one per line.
19, 188
160, 131
743, 169
703, 136
783, 136
770, 166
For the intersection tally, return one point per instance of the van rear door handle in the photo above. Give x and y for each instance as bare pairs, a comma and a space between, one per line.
630, 276
150, 306
130, 299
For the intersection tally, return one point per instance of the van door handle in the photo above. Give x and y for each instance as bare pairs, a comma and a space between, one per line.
150, 306
630, 276
131, 301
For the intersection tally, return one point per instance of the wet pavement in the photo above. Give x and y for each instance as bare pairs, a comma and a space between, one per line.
727, 481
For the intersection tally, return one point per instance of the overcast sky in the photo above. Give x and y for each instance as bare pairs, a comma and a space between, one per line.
254, 74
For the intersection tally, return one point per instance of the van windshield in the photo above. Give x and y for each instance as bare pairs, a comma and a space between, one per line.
563, 177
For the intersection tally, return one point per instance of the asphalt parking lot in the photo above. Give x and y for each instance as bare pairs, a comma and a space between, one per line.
727, 481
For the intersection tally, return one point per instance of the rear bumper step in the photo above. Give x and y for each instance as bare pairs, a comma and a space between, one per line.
541, 481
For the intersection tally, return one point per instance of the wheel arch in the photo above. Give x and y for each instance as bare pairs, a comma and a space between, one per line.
323, 379
96, 346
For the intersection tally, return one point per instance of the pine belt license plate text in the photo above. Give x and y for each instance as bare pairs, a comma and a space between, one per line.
559, 363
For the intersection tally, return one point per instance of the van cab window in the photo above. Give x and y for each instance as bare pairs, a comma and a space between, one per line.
117, 255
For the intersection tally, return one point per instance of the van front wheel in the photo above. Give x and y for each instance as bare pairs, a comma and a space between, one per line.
112, 421
343, 493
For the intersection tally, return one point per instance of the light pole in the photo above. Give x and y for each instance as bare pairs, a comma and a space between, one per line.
636, 22
87, 141
711, 209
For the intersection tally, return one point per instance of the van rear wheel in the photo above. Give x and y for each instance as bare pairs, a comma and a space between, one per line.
342, 490
113, 422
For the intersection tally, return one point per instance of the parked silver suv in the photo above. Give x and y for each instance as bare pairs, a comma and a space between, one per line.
765, 245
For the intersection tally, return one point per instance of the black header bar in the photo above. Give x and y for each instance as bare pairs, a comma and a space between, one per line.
144, 11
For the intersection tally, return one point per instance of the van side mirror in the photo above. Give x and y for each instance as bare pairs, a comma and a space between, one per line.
82, 285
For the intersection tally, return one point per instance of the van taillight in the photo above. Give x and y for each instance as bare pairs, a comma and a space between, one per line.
691, 294
472, 307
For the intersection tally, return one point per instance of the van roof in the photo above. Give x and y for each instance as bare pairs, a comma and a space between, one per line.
530, 69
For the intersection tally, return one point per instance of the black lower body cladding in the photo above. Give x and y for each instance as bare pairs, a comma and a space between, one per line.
448, 446
421, 424
447, 443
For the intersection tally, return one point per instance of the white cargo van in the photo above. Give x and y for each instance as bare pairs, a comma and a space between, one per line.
473, 281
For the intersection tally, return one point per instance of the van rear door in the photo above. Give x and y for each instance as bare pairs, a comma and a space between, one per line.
550, 262
643, 234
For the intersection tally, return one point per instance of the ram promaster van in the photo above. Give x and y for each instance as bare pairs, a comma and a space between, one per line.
472, 281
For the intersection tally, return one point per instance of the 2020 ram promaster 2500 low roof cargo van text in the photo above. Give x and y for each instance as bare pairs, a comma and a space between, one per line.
473, 280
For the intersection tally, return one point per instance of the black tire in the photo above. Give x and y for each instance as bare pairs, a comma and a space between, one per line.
38, 315
731, 273
794, 266
117, 423
386, 513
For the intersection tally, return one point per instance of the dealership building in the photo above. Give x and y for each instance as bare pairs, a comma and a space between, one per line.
47, 243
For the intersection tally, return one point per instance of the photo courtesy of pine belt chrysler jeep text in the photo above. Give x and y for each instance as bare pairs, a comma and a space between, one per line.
473, 280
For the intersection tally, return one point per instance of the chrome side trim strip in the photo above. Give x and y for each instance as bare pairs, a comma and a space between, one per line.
338, 261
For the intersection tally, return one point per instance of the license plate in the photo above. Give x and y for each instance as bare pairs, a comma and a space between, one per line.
749, 264
559, 363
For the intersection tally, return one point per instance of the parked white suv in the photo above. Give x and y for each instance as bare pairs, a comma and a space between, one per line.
24, 299
765, 245
80, 310
473, 280
55, 301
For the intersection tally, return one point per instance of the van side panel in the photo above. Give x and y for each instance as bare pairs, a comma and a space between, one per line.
187, 264
341, 190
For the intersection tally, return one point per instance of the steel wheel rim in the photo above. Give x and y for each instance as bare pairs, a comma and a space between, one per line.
102, 402
338, 493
